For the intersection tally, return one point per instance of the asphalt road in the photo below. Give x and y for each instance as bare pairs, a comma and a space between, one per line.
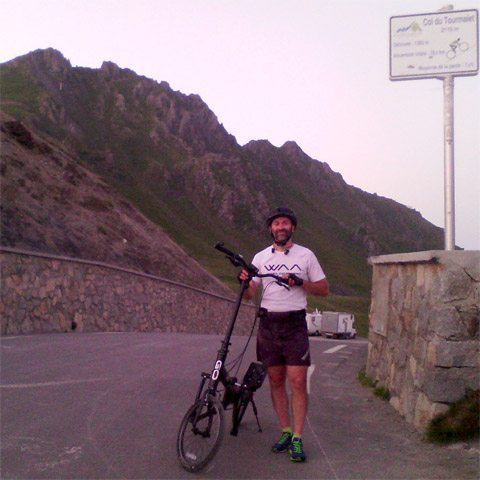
108, 406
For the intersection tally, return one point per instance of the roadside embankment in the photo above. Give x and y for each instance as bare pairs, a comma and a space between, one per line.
46, 293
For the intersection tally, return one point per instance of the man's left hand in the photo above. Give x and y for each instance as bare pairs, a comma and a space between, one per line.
294, 280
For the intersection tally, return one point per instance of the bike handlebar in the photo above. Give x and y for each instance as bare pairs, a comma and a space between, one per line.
238, 261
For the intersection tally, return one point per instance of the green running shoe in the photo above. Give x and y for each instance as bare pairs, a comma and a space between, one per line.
296, 450
283, 444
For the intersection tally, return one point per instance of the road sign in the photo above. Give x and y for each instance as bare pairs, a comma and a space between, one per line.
439, 45
433, 45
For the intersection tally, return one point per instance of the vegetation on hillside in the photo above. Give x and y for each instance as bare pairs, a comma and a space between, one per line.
167, 154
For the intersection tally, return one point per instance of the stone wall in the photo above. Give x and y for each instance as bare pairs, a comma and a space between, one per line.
424, 330
44, 293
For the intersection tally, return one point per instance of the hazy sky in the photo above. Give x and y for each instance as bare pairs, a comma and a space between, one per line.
312, 71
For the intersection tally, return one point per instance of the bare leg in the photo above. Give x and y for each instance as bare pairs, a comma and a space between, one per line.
297, 378
277, 377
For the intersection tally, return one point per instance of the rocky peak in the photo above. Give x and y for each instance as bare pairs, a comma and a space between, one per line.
259, 146
110, 68
292, 148
113, 71
189, 118
50, 58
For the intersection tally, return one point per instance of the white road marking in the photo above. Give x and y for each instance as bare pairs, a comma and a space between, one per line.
14, 337
310, 370
322, 449
334, 349
52, 384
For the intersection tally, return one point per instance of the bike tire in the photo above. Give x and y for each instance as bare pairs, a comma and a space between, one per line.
239, 408
200, 434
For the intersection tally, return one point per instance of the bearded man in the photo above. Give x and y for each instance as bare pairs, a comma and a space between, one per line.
282, 339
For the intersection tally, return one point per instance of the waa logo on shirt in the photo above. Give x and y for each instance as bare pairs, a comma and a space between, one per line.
280, 267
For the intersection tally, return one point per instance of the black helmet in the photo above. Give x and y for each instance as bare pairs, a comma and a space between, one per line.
282, 212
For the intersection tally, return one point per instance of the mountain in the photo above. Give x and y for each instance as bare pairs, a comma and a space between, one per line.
167, 154
50, 203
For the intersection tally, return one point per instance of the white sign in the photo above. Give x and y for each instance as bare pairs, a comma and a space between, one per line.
432, 45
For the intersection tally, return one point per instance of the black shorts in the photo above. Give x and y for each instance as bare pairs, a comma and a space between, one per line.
282, 339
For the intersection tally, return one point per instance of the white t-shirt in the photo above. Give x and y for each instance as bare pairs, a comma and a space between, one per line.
299, 260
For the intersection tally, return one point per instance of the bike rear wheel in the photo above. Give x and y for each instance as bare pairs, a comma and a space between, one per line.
200, 434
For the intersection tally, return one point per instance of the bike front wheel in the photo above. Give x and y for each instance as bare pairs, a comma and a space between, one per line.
200, 434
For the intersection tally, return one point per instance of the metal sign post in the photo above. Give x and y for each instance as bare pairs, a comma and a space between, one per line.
437, 45
449, 159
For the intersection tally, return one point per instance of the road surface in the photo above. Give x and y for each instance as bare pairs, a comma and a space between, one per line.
108, 406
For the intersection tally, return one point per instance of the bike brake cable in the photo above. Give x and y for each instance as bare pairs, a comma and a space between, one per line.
239, 359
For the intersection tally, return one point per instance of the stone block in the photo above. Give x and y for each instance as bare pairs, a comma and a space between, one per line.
456, 286
445, 322
431, 354
412, 365
467, 261
438, 409
470, 318
432, 278
444, 385
62, 322
397, 405
421, 272
78, 319
422, 412
419, 349
471, 378
380, 309
425, 410
454, 354
409, 400
50, 284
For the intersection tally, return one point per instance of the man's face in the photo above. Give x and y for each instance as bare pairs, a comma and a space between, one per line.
281, 230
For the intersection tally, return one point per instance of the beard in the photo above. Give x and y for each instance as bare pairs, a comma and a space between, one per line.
282, 237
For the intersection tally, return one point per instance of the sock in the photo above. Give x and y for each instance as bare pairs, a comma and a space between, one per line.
297, 435
287, 429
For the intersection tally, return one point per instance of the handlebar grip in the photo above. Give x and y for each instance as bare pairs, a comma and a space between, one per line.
252, 269
296, 279
219, 246
236, 259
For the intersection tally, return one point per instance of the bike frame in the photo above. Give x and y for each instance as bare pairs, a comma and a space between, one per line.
219, 372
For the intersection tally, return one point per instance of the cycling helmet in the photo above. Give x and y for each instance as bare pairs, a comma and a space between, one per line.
282, 212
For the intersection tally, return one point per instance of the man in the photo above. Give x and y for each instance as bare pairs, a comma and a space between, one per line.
282, 339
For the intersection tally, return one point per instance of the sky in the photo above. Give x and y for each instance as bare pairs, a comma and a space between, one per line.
312, 71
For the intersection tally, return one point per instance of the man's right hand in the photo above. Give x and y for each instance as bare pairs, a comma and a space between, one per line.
252, 285
243, 275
